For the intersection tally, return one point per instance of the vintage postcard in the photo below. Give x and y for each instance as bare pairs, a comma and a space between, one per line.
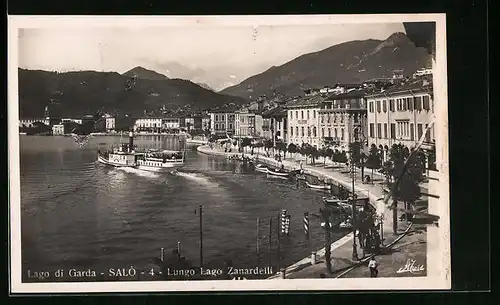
226, 153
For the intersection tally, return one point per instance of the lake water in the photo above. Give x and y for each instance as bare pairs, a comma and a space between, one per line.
79, 214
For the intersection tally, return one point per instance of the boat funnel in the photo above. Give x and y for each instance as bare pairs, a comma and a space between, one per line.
131, 141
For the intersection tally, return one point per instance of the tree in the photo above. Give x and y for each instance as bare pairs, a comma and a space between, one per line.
329, 153
245, 142
431, 158
268, 144
342, 157
322, 153
281, 147
314, 154
292, 148
407, 173
373, 161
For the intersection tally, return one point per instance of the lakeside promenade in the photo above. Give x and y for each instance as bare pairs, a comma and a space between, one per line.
341, 250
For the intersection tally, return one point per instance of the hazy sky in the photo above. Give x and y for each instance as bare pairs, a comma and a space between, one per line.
237, 50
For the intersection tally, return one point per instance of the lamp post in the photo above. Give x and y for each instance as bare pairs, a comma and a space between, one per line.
353, 198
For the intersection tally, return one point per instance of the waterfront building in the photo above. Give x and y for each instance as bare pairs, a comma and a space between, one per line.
400, 115
170, 123
422, 72
58, 129
110, 123
68, 120
151, 124
302, 119
342, 119
205, 122
248, 123
29, 123
277, 117
222, 122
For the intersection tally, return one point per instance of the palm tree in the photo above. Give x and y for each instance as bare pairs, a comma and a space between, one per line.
407, 175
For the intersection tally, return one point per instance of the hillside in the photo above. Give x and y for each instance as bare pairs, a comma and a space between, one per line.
349, 62
86, 92
144, 73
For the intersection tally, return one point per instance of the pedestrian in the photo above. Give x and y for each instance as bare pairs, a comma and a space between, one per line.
373, 265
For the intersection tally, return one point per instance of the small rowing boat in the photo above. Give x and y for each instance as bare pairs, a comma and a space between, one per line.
318, 187
278, 173
261, 168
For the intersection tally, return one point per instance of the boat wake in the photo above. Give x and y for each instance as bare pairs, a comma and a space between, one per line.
198, 178
139, 172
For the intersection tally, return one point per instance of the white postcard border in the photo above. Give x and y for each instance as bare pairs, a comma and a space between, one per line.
439, 272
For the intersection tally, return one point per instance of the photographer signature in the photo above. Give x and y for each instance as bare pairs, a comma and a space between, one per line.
411, 267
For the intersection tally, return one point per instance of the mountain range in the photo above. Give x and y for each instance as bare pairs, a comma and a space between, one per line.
349, 62
134, 92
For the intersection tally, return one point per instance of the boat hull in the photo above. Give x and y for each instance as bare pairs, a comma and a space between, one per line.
278, 174
163, 169
318, 187
105, 161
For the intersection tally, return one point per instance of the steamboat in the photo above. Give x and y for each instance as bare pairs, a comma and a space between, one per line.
126, 155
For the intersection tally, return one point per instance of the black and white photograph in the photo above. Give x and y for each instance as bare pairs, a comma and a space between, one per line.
227, 153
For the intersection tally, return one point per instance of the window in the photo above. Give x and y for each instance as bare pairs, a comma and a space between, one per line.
393, 131
378, 106
328, 118
356, 119
297, 131
314, 114
342, 134
230, 126
426, 103
371, 130
314, 132
342, 118
379, 131
334, 118
412, 132
371, 107
391, 105
296, 114
291, 131
330, 133
418, 103
216, 117
384, 105
222, 126
302, 114
405, 104
322, 118
308, 131
308, 114
336, 135
419, 131
411, 103
302, 130
385, 130
322, 132
216, 126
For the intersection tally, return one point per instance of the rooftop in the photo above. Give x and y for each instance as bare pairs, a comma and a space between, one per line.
419, 85
351, 94
274, 112
309, 101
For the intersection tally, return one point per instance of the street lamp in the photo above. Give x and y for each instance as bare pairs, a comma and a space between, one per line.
353, 215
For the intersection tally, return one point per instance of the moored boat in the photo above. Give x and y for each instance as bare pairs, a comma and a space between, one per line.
261, 168
278, 173
318, 187
121, 156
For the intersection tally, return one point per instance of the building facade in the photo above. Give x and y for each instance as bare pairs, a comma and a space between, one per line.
110, 123
248, 123
58, 129
170, 123
205, 122
30, 122
302, 119
222, 123
343, 119
277, 118
148, 124
401, 115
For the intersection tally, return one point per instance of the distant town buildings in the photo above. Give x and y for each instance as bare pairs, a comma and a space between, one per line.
380, 112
